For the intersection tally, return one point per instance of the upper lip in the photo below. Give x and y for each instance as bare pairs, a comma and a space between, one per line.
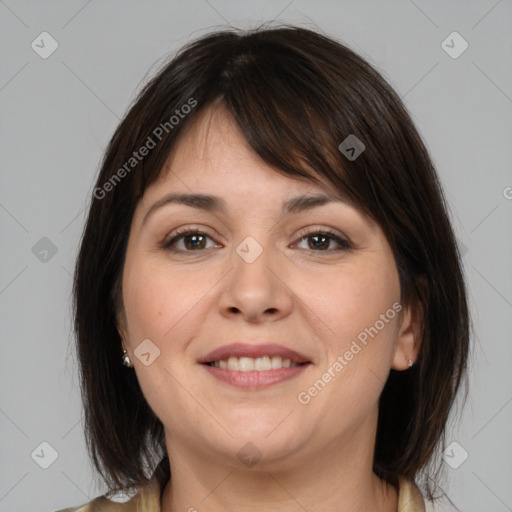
254, 351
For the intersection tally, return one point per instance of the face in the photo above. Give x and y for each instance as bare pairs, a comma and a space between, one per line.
318, 279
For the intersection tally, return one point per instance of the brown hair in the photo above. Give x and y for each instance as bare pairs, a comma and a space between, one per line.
295, 95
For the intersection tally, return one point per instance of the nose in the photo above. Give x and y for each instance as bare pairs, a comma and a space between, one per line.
256, 291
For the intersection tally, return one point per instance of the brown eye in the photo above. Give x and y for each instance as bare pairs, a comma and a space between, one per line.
322, 241
187, 241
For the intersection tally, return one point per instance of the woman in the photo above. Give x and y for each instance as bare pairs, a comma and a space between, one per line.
269, 304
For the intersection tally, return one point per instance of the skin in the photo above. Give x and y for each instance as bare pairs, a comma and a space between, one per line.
316, 301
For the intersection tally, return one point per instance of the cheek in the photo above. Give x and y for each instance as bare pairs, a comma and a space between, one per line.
352, 299
145, 303
162, 305
358, 306
160, 301
359, 328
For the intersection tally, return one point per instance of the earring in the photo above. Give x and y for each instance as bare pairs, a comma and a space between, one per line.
126, 359
410, 362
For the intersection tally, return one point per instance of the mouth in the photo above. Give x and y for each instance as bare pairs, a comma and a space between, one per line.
254, 367
259, 364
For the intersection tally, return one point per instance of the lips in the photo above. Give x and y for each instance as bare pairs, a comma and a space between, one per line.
250, 350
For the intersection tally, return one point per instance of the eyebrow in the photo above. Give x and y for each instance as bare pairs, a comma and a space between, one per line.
215, 204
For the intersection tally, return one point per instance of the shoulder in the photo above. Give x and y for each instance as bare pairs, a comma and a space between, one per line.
146, 498
410, 498
102, 504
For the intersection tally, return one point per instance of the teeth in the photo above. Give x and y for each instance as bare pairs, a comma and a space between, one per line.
262, 363
276, 362
247, 364
233, 363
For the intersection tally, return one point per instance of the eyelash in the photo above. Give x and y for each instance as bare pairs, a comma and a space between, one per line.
182, 233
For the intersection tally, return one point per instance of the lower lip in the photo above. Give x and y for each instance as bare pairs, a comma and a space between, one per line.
254, 379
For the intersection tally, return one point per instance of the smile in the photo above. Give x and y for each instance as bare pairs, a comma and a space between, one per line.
247, 364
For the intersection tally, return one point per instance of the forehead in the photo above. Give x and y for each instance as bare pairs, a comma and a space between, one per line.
212, 154
213, 168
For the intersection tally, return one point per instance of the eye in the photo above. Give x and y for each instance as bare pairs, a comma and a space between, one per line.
193, 240
322, 240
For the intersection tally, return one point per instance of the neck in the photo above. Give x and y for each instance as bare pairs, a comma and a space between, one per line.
336, 478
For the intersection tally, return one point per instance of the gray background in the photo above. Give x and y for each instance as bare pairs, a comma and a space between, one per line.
58, 113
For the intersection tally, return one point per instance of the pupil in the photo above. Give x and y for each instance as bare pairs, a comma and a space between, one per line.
322, 243
194, 238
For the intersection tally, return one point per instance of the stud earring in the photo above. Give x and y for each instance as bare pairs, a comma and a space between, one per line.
126, 359
410, 362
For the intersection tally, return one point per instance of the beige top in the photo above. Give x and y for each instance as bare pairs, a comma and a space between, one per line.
147, 499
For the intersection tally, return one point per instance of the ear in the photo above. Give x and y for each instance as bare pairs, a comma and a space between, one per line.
409, 337
120, 322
